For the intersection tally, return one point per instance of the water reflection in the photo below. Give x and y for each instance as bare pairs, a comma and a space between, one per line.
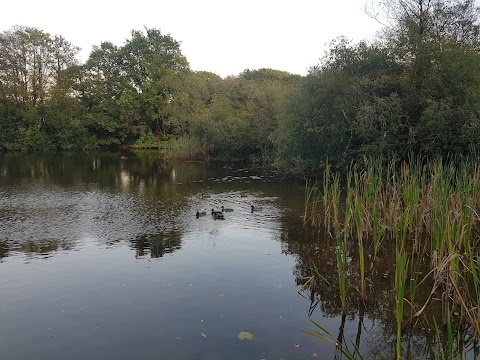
50, 201
370, 325
141, 207
157, 245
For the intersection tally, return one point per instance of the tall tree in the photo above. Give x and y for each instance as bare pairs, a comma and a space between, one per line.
99, 87
33, 68
146, 60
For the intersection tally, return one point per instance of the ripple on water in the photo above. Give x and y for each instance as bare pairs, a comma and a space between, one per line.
41, 218
241, 217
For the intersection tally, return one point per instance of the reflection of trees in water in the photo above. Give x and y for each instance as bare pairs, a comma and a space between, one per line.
161, 198
4, 249
375, 318
157, 244
45, 247
34, 247
105, 169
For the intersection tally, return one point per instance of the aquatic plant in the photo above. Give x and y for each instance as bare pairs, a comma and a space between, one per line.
323, 334
401, 269
429, 211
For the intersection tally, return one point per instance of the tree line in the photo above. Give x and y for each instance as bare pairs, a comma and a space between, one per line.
415, 88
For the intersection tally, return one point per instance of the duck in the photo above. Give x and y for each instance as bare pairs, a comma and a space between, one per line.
201, 213
218, 216
216, 212
224, 209
256, 208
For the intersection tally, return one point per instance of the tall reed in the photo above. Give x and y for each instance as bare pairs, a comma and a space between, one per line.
309, 200
430, 211
326, 197
356, 211
342, 248
401, 271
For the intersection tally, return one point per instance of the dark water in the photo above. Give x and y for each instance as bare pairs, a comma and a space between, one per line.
102, 257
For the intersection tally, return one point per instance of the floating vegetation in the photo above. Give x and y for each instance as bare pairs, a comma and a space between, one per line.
243, 335
424, 216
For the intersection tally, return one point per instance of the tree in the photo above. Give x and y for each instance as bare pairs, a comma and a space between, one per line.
242, 113
100, 85
346, 106
438, 43
33, 70
148, 61
413, 90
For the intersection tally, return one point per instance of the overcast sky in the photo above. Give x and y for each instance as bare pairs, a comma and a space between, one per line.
222, 36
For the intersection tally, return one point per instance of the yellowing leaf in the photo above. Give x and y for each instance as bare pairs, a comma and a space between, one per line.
243, 335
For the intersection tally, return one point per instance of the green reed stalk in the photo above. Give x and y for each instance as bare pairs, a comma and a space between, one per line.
438, 335
309, 197
335, 191
401, 272
341, 248
357, 217
376, 189
414, 274
341, 254
439, 213
393, 209
401, 263
326, 199
411, 193
474, 278
313, 209
378, 232
324, 334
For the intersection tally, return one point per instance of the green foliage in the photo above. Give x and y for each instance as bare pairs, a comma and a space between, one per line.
188, 148
149, 141
33, 138
415, 89
50, 102
345, 107
235, 118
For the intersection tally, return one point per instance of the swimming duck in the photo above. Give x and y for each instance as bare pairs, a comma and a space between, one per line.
256, 208
216, 212
201, 213
224, 209
218, 216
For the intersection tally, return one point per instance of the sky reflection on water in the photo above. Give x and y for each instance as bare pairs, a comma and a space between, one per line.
101, 256
119, 267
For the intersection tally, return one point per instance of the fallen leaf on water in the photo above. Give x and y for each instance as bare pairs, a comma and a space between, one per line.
243, 335
203, 335
296, 345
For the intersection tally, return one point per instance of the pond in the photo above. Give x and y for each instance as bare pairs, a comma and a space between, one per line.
102, 256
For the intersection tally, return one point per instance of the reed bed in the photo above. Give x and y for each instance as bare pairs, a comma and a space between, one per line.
426, 210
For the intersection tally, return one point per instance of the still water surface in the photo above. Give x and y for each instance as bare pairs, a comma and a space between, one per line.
102, 257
